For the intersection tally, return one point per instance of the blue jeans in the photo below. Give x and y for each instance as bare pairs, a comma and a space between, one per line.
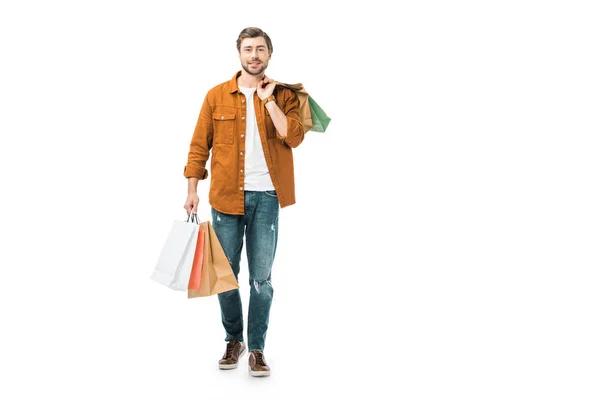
260, 225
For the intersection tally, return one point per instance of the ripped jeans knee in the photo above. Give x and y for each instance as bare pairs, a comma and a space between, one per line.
259, 286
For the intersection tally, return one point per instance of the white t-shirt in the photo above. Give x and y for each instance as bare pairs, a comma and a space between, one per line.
256, 172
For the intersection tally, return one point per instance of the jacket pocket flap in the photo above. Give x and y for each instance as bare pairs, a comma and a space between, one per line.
223, 116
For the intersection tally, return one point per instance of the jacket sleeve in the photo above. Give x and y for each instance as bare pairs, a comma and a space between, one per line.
295, 129
200, 145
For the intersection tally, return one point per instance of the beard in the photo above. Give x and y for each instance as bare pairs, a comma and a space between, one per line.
258, 71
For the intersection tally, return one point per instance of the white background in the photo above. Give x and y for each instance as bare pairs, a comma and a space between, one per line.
444, 244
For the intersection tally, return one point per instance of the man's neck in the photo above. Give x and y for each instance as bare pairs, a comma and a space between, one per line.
249, 81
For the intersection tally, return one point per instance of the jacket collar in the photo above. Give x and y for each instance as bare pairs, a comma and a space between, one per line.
233, 86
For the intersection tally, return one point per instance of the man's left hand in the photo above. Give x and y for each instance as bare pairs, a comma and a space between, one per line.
265, 87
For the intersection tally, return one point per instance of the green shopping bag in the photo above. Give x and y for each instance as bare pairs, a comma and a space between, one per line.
312, 116
319, 118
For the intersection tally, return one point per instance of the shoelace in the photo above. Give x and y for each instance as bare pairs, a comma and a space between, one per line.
230, 347
259, 358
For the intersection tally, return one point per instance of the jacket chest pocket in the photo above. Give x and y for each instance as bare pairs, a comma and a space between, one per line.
223, 124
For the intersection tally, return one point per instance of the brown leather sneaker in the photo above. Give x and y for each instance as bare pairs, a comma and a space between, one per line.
257, 364
233, 352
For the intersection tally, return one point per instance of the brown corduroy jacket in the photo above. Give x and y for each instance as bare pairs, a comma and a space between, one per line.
221, 127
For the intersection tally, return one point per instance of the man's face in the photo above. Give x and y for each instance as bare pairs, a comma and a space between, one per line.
254, 55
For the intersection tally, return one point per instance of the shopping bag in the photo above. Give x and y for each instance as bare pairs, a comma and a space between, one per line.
312, 116
195, 274
174, 264
216, 275
320, 120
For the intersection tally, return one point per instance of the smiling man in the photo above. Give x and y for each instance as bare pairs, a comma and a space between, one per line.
250, 125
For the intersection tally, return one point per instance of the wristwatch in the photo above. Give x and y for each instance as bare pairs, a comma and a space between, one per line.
268, 99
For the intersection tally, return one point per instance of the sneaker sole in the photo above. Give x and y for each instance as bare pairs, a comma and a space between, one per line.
259, 373
233, 366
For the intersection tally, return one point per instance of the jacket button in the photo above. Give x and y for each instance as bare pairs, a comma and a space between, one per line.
241, 188
222, 117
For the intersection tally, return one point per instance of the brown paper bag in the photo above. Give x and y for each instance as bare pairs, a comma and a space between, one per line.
216, 276
305, 115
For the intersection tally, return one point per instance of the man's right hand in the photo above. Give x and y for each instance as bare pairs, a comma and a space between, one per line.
191, 204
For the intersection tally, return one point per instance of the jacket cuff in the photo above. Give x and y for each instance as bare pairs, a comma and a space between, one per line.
294, 132
279, 136
198, 172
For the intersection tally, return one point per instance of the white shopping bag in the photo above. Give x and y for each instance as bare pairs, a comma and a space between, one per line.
175, 261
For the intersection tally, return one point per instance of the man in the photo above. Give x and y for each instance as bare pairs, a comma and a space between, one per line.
251, 126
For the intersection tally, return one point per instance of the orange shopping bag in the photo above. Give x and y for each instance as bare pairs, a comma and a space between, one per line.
211, 266
194, 282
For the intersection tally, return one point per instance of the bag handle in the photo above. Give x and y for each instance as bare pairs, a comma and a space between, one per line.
194, 218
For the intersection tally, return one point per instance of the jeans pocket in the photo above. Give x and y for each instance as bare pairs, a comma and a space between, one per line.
271, 193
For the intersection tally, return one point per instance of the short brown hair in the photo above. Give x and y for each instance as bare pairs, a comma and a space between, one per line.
253, 33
